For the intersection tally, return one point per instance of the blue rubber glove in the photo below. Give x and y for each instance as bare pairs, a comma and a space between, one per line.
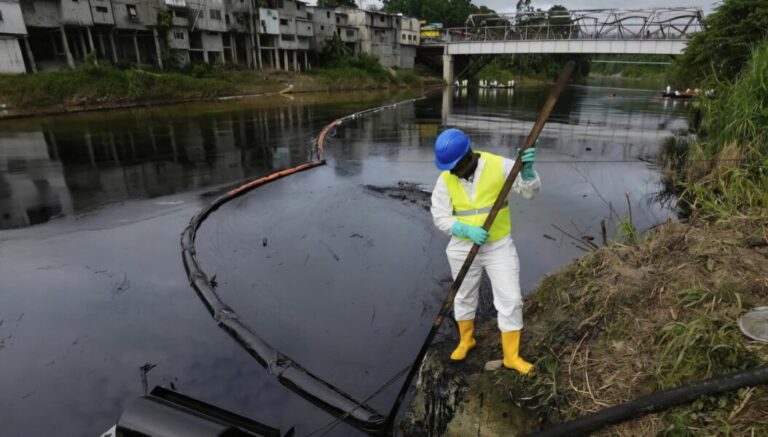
474, 233
528, 157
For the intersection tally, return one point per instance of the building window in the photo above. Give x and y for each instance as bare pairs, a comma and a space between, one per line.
287, 37
322, 27
279, 4
133, 14
337, 20
283, 22
381, 18
1, 16
178, 35
180, 13
350, 33
215, 14
328, 14
403, 37
101, 9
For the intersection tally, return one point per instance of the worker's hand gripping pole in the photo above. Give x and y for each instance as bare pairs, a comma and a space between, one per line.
562, 81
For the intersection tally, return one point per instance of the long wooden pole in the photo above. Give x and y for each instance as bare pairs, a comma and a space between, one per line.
501, 201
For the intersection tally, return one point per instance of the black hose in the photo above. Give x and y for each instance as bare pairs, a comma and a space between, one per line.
658, 402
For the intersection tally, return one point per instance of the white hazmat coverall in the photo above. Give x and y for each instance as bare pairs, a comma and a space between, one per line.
499, 258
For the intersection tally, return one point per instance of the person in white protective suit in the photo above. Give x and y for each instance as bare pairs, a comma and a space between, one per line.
463, 196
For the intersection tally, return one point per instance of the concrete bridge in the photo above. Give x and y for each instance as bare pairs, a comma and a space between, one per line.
594, 31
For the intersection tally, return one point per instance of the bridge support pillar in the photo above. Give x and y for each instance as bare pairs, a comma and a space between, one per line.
448, 69
447, 106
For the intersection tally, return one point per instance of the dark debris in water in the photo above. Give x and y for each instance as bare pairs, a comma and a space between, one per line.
407, 192
143, 370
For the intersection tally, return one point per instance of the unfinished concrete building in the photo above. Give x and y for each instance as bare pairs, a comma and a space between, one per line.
279, 34
296, 32
410, 30
12, 31
63, 33
329, 24
386, 36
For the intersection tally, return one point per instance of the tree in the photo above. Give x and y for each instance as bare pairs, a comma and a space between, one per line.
524, 6
452, 13
725, 46
547, 65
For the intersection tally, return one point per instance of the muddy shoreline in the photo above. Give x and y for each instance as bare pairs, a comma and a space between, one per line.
600, 332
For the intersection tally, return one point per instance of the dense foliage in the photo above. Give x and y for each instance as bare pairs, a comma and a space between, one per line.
336, 3
337, 62
722, 170
720, 52
534, 65
451, 13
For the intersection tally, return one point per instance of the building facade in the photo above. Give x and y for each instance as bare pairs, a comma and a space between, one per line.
330, 24
40, 35
12, 33
391, 38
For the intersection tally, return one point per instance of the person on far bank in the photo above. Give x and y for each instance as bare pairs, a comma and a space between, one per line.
463, 196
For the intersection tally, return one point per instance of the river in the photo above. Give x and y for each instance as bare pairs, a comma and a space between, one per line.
341, 279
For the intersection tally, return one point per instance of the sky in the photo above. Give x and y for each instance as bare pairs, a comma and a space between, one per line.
509, 5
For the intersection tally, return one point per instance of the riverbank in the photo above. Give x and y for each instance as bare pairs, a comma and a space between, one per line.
622, 322
95, 87
647, 313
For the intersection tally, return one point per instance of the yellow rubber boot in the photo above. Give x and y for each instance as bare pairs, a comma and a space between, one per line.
466, 341
510, 344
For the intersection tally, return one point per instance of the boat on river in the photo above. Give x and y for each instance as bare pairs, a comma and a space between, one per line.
485, 84
687, 94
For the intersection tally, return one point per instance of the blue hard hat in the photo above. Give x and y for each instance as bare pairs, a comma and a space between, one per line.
450, 146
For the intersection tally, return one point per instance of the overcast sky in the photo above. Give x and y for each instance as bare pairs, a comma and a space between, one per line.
509, 5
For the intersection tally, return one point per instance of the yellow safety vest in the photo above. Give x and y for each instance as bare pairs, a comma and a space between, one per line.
488, 189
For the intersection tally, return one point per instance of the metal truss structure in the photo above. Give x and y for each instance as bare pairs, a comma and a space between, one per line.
590, 24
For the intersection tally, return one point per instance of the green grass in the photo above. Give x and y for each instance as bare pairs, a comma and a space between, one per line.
356, 71
739, 113
408, 77
698, 348
737, 191
496, 71
104, 84
93, 84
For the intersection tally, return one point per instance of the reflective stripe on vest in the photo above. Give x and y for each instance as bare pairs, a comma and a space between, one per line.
474, 212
